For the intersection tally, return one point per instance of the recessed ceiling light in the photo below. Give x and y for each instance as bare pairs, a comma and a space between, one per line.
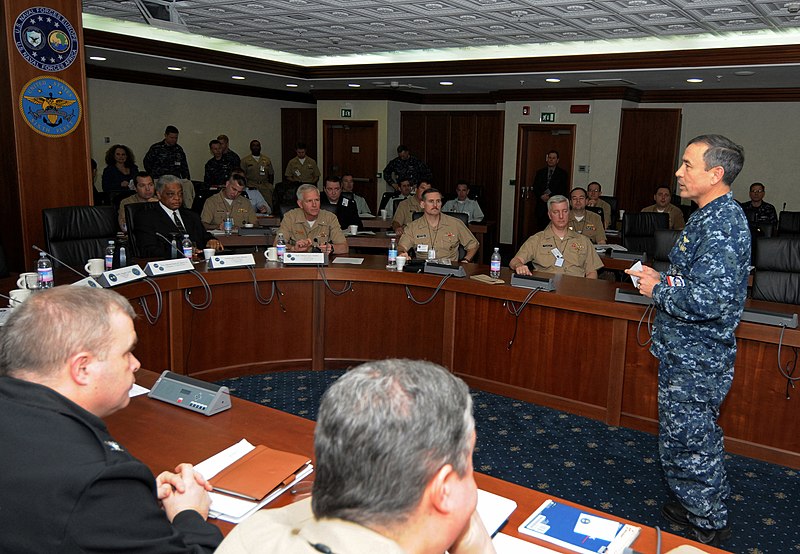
237, 77
553, 80
97, 58
354, 85
744, 73
174, 68
446, 83
292, 85
694, 80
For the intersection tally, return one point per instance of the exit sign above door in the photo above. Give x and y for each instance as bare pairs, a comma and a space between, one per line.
347, 112
547, 117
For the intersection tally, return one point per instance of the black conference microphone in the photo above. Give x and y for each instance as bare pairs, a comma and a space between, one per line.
49, 255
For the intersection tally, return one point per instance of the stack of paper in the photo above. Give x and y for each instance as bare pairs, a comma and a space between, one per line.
242, 502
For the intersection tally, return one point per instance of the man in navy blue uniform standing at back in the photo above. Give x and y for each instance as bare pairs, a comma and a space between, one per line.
700, 299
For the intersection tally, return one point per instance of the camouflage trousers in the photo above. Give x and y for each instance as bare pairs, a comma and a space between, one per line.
690, 441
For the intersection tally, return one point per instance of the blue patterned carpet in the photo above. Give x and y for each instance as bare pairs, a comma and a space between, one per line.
608, 468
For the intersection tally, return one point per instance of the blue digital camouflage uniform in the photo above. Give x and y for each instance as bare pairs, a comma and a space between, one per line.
700, 300
163, 159
413, 169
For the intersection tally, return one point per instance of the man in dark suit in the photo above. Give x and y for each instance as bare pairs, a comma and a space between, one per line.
549, 181
343, 206
170, 219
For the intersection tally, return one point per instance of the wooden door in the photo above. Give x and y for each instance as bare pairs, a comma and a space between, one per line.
297, 125
533, 144
648, 154
352, 147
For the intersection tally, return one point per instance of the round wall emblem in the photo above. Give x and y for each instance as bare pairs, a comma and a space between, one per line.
50, 106
46, 39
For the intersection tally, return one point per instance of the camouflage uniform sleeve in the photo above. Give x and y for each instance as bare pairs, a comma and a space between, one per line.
710, 285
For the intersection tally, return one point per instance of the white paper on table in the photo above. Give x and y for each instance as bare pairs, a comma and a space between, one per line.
352, 261
137, 390
210, 467
506, 544
597, 527
614, 247
494, 510
254, 506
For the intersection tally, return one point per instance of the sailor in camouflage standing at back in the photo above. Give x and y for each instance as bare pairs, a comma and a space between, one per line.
700, 300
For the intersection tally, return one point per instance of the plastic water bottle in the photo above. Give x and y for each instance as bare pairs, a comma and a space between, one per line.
494, 265
186, 245
44, 268
110, 256
281, 246
123, 257
393, 254
173, 252
227, 225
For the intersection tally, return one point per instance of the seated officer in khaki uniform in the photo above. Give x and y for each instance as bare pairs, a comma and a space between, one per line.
306, 227
406, 209
557, 249
229, 203
435, 230
585, 222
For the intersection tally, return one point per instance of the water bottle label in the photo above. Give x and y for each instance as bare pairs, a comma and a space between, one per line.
46, 275
495, 265
187, 252
392, 256
281, 251
109, 261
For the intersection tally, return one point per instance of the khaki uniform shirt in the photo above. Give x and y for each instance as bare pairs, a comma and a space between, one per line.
306, 172
405, 209
293, 529
676, 222
132, 199
606, 207
216, 209
326, 228
591, 226
445, 238
577, 251
260, 174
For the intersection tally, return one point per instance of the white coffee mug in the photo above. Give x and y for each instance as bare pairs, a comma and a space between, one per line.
352, 229
272, 254
18, 296
401, 261
28, 280
208, 253
95, 267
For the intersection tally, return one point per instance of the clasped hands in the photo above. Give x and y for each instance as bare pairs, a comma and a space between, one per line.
185, 489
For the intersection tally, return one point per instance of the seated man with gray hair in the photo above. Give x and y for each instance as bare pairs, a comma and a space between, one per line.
306, 227
393, 446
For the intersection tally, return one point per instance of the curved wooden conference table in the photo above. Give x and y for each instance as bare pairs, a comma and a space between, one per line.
575, 349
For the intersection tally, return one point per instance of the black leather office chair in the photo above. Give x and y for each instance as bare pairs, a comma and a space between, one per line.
789, 224
76, 233
638, 230
598, 211
395, 203
765, 230
462, 216
130, 219
3, 263
777, 275
664, 241
385, 200
612, 202
285, 208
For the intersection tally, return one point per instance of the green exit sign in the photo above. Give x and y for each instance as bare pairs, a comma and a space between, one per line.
547, 117
347, 112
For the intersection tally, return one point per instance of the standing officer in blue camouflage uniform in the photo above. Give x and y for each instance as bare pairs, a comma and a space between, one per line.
700, 300
405, 166
167, 157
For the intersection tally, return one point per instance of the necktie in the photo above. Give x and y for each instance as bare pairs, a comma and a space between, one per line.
178, 223
549, 175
